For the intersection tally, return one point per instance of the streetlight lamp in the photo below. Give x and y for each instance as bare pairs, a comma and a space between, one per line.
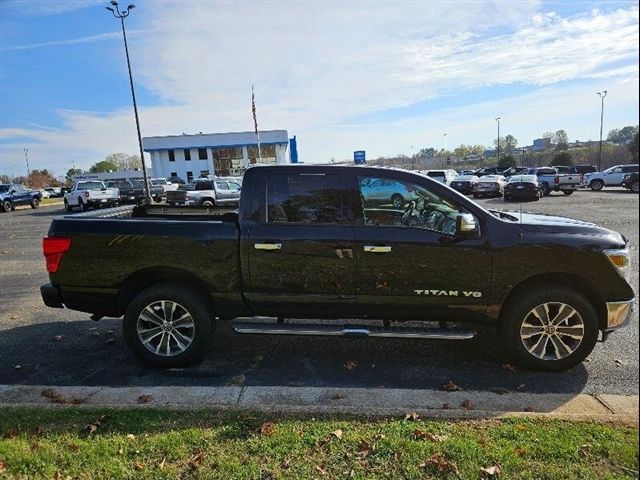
26, 158
122, 15
498, 144
602, 95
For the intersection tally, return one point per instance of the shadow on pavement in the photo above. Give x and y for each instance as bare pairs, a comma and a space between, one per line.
94, 353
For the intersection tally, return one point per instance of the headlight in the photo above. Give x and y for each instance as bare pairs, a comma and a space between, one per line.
619, 258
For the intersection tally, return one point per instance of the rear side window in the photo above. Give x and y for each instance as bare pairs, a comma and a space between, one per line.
204, 185
307, 199
630, 169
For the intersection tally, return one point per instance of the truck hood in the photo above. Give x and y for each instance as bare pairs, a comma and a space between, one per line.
563, 225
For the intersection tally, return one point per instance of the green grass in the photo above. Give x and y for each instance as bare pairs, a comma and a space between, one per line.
51, 201
156, 443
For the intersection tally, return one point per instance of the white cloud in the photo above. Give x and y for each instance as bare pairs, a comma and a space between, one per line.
48, 7
318, 65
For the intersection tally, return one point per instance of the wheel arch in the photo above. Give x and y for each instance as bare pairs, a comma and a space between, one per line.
568, 280
148, 277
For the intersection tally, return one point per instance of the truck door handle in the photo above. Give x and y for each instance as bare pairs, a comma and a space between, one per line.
267, 246
377, 249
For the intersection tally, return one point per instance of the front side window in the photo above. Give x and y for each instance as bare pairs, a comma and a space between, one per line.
307, 199
391, 202
617, 170
222, 186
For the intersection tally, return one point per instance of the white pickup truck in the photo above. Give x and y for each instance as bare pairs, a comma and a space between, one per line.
552, 181
611, 177
90, 193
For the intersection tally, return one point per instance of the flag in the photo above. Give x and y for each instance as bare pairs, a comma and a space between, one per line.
253, 110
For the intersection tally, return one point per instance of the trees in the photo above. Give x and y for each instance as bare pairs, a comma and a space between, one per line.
429, 152
71, 173
508, 144
124, 161
507, 161
560, 140
103, 166
633, 147
562, 158
5, 178
625, 135
41, 179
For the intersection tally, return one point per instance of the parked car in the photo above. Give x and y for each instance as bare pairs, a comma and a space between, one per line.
489, 185
481, 172
611, 177
464, 183
14, 194
163, 183
523, 187
301, 246
630, 182
126, 191
90, 193
442, 176
207, 193
582, 170
132, 191
54, 192
511, 171
552, 181
176, 179
44, 193
156, 192
381, 191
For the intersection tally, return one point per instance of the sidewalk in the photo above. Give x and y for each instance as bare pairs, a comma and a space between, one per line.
355, 401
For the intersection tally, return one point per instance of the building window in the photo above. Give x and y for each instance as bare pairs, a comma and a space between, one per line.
174, 174
189, 176
228, 161
202, 153
187, 154
204, 173
268, 153
172, 156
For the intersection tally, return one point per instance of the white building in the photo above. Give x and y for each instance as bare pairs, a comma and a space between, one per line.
221, 154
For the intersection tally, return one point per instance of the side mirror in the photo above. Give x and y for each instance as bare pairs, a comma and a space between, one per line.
466, 225
12, 192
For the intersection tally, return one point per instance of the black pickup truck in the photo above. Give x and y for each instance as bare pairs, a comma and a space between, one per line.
323, 243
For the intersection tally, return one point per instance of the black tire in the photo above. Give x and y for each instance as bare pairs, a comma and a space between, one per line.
519, 309
208, 203
506, 199
596, 185
192, 303
67, 207
567, 192
397, 200
35, 203
537, 197
635, 187
546, 190
82, 206
7, 206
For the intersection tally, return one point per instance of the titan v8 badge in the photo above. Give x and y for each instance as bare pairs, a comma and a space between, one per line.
449, 293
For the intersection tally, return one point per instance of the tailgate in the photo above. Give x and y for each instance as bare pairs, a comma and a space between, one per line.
107, 193
570, 179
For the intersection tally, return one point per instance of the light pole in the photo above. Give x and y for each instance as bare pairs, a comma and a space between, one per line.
445, 141
122, 15
602, 95
26, 158
413, 159
498, 144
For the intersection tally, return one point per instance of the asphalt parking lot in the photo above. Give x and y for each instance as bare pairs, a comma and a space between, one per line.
39, 345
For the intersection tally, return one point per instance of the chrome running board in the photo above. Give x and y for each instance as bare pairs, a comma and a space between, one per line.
351, 331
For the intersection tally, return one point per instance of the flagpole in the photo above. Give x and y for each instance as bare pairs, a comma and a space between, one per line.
255, 123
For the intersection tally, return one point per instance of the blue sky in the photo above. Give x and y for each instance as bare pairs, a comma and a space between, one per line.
341, 76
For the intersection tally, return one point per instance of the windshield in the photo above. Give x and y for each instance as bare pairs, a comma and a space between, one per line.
523, 178
90, 185
4, 188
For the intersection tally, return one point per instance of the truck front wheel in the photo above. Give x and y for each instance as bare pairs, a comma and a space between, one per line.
549, 329
168, 326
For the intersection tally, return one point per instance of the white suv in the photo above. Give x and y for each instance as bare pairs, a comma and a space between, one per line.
611, 177
442, 176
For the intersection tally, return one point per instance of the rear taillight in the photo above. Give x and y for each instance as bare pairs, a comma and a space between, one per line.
54, 248
86, 193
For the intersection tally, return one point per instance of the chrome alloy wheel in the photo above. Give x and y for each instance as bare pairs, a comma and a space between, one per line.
165, 328
552, 331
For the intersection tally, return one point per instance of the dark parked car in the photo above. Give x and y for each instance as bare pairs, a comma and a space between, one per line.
523, 187
132, 191
464, 184
13, 194
306, 243
176, 179
583, 169
630, 182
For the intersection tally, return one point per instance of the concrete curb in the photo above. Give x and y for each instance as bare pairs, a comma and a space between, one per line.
352, 401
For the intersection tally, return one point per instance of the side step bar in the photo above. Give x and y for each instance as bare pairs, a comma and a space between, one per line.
351, 331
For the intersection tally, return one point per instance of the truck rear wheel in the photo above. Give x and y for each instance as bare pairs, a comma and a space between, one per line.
168, 326
551, 329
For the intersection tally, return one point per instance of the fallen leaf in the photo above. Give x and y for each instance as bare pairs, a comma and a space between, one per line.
350, 365
509, 367
94, 334
420, 435
93, 427
12, 433
379, 436
450, 386
57, 397
161, 464
322, 471
18, 367
520, 452
197, 459
364, 448
138, 466
131, 436
411, 416
529, 409
492, 471
520, 427
110, 332
266, 429
467, 405
337, 396
337, 434
285, 463
441, 464
618, 362
145, 398
59, 338
520, 387
73, 447
3, 466
585, 449
110, 341
499, 390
